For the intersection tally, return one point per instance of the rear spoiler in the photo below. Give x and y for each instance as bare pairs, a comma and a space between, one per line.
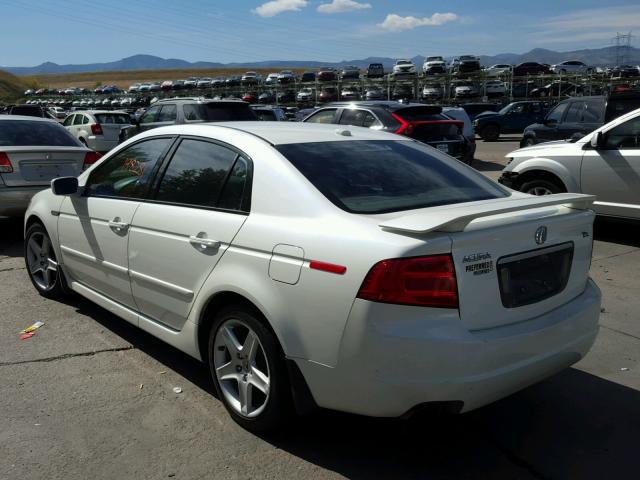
454, 218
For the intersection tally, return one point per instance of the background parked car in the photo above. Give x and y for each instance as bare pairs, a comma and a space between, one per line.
513, 118
498, 69
305, 95
97, 129
286, 77
434, 66
271, 79
575, 117
375, 93
328, 94
327, 74
425, 123
308, 77
530, 68
350, 93
350, 72
572, 66
269, 113
404, 68
433, 92
375, 70
34, 151
475, 108
465, 64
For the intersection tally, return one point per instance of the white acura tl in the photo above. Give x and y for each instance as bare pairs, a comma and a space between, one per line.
310, 266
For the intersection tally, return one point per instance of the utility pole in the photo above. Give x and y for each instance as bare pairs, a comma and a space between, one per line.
622, 48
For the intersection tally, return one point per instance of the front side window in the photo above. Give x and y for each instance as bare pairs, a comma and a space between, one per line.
150, 115
78, 120
196, 173
168, 113
386, 176
68, 121
625, 136
323, 116
556, 113
574, 113
128, 173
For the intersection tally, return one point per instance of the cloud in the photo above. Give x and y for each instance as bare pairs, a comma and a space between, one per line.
339, 6
396, 23
274, 7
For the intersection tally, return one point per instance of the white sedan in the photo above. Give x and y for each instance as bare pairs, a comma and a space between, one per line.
322, 265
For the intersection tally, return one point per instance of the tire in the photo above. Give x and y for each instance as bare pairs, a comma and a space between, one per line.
541, 187
42, 267
490, 133
259, 376
527, 142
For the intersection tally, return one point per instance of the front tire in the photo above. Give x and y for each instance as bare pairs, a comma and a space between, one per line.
42, 266
541, 187
527, 142
490, 133
248, 370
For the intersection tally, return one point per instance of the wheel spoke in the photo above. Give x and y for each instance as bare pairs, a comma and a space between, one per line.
250, 347
259, 380
230, 340
45, 244
228, 372
244, 396
46, 277
34, 268
34, 247
52, 265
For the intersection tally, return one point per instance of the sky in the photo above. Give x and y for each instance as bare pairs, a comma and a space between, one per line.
79, 31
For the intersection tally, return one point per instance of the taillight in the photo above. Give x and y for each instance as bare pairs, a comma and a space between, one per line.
423, 281
405, 127
96, 129
90, 158
5, 163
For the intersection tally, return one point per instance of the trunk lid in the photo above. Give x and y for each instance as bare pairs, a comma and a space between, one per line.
517, 259
37, 166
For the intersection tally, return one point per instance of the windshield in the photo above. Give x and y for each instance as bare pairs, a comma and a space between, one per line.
25, 133
387, 176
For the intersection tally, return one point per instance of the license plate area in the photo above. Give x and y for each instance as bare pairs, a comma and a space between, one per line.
533, 276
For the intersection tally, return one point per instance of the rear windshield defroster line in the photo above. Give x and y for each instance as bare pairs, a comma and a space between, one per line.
383, 176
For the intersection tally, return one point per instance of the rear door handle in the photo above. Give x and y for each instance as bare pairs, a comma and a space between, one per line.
117, 225
204, 242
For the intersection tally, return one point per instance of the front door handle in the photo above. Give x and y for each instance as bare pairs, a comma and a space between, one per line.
117, 225
203, 242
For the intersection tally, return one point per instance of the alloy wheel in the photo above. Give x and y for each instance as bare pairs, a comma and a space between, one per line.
539, 191
41, 261
241, 368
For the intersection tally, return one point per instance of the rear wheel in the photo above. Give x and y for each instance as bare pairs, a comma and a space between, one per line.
527, 142
541, 187
248, 370
42, 265
490, 133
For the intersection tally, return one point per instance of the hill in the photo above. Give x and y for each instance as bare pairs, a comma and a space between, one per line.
12, 87
598, 56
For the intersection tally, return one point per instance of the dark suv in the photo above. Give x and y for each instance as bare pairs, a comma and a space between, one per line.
375, 70
425, 123
513, 118
189, 110
578, 116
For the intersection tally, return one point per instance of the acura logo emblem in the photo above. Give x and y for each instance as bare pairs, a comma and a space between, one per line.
541, 235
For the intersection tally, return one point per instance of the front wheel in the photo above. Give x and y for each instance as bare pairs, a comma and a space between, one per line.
527, 142
42, 265
248, 370
541, 187
490, 133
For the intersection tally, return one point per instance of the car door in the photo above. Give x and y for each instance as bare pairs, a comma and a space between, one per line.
93, 227
612, 173
176, 240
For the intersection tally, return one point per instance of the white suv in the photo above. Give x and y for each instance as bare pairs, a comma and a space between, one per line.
605, 163
404, 67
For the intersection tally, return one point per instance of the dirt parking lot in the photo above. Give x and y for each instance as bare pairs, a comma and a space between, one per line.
90, 396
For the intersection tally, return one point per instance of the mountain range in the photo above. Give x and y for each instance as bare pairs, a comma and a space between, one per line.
601, 56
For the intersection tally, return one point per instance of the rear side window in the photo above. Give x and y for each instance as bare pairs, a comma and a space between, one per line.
386, 176
323, 116
358, 118
223, 112
150, 115
35, 133
574, 113
168, 113
196, 174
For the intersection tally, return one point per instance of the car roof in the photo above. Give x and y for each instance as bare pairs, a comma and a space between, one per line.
386, 104
282, 133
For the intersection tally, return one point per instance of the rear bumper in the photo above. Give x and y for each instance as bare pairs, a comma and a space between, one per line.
101, 145
15, 200
394, 358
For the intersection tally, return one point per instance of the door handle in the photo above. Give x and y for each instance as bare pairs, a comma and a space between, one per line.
204, 242
117, 225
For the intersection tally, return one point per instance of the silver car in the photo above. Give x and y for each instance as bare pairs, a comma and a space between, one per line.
32, 152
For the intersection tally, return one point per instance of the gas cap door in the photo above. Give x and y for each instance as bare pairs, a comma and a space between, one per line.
286, 263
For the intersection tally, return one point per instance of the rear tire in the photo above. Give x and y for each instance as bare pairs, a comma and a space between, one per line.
490, 133
527, 142
541, 187
248, 370
42, 266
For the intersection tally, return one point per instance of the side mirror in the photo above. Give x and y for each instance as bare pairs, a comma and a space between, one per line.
598, 140
550, 122
64, 185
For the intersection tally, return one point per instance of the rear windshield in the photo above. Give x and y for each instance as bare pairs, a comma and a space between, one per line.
118, 118
421, 114
27, 133
218, 112
387, 176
